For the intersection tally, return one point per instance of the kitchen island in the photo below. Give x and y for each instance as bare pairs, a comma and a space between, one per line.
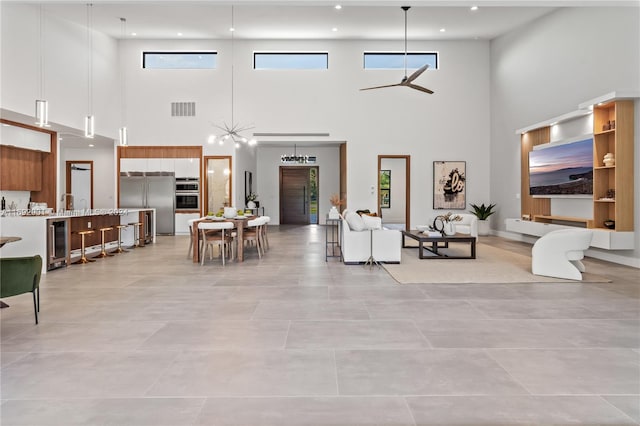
54, 236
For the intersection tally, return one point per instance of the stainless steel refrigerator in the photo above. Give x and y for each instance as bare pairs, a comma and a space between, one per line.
151, 190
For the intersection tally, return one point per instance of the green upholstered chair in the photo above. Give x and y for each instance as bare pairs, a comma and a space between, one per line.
19, 275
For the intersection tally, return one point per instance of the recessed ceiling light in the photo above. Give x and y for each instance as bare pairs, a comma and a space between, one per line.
179, 34
232, 29
91, 145
338, 7
442, 30
134, 34
334, 29
474, 8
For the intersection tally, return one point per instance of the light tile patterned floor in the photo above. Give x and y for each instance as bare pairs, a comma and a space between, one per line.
149, 338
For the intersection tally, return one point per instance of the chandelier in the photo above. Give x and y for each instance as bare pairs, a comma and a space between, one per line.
233, 131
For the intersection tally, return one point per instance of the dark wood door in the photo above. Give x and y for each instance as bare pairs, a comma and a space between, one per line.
294, 195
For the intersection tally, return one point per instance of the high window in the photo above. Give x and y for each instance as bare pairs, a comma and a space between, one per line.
395, 60
179, 60
290, 60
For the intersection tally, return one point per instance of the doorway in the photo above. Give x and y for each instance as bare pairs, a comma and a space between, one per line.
79, 184
394, 190
299, 195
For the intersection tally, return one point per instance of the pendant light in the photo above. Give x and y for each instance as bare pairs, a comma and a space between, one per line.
234, 131
42, 106
122, 132
89, 120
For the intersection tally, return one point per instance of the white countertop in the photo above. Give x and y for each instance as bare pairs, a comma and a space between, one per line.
37, 214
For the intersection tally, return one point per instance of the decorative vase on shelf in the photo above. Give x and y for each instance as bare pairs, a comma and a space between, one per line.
333, 213
609, 160
251, 204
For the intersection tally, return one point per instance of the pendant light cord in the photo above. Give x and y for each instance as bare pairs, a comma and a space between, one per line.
123, 31
41, 50
233, 29
405, 8
90, 55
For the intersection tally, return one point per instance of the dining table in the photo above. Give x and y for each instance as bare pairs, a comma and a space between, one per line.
240, 222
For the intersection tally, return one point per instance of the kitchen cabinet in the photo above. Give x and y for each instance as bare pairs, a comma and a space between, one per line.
182, 222
20, 169
133, 165
187, 167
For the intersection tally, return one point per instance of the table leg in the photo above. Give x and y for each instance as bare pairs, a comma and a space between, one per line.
240, 228
196, 243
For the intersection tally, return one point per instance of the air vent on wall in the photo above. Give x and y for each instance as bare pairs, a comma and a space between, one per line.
183, 109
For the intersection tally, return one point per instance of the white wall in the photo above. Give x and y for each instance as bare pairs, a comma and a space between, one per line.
268, 189
65, 70
546, 69
103, 174
452, 124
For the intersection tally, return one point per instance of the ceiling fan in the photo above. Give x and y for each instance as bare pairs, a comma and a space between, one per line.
407, 81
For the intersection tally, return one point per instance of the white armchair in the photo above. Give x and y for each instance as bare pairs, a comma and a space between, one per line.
468, 224
559, 253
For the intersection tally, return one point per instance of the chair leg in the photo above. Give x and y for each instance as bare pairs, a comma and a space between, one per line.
38, 290
35, 307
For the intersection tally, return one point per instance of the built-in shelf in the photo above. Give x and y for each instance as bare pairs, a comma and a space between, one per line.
604, 201
588, 223
605, 132
604, 167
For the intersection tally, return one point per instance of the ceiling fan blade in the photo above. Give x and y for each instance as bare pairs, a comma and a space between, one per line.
422, 89
416, 74
381, 87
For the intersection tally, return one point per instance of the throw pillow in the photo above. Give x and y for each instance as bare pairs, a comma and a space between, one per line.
372, 222
355, 221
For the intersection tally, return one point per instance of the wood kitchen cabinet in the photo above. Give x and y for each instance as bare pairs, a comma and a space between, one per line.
20, 169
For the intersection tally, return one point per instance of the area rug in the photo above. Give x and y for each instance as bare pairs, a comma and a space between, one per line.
491, 265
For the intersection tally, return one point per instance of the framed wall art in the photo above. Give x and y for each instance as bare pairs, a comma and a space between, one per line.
449, 185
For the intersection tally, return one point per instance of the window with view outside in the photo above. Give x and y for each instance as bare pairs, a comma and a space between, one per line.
290, 60
395, 60
179, 60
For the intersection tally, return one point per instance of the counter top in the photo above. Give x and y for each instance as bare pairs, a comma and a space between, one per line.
25, 213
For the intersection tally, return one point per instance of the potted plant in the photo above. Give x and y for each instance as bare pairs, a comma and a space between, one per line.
336, 202
483, 212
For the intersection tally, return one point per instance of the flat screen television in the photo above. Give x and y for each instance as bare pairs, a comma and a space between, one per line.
562, 169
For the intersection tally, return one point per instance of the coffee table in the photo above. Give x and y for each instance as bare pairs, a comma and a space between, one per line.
437, 243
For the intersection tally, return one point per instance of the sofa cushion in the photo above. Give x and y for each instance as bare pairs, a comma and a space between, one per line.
355, 221
371, 222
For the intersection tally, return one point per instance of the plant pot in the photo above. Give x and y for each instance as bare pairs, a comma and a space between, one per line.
251, 204
483, 227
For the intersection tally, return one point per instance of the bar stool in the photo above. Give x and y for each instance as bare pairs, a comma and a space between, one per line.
83, 257
103, 251
136, 234
120, 249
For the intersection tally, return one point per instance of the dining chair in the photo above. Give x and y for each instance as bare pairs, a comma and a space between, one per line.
253, 233
265, 238
214, 233
191, 243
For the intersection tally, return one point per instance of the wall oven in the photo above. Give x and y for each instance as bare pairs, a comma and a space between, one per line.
187, 194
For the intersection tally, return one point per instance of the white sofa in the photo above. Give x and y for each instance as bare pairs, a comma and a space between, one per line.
356, 245
559, 253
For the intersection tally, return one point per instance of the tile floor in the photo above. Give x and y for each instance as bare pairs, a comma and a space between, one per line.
149, 338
